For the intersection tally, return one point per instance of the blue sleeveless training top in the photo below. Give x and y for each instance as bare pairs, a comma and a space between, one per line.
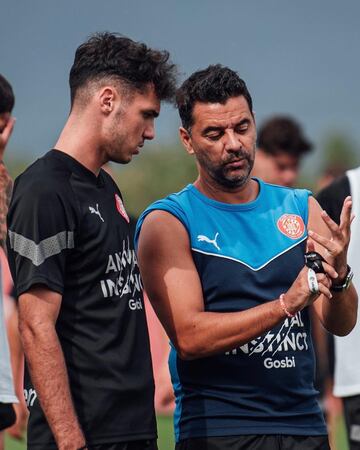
246, 255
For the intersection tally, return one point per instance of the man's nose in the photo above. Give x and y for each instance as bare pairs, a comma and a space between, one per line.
149, 132
232, 141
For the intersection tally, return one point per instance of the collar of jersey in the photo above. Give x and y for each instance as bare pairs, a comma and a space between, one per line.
75, 166
229, 206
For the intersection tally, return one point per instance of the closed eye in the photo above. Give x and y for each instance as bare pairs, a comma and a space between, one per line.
242, 127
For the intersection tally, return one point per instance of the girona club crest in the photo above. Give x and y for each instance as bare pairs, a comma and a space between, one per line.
121, 208
291, 225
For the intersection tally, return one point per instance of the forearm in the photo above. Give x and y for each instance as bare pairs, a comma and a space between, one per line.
339, 313
209, 333
5, 195
49, 376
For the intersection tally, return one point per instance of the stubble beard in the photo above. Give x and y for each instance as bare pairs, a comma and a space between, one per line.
221, 174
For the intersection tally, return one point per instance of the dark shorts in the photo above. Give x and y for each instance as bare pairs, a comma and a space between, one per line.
147, 444
7, 415
256, 442
352, 419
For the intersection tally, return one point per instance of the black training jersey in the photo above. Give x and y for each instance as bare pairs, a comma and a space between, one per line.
68, 230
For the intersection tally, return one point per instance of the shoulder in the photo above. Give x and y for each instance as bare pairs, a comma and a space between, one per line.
166, 211
175, 203
42, 193
45, 175
282, 193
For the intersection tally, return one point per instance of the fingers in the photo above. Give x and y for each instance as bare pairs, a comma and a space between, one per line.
330, 271
346, 216
324, 284
333, 226
345, 219
329, 244
323, 289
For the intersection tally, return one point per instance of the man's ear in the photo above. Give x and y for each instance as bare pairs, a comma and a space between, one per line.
107, 98
186, 140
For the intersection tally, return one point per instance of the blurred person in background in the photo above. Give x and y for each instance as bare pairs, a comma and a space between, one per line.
281, 144
329, 174
347, 361
7, 394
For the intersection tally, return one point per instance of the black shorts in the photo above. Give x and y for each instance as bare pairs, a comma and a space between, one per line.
256, 442
352, 419
7, 415
147, 444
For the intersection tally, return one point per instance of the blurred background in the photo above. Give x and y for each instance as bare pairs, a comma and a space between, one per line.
298, 58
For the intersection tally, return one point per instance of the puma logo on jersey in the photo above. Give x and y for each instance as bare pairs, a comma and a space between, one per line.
202, 238
96, 211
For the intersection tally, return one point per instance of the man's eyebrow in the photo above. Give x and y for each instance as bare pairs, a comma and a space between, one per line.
243, 121
152, 112
212, 128
219, 128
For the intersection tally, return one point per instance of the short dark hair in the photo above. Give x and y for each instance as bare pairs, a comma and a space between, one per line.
7, 98
132, 63
283, 134
215, 84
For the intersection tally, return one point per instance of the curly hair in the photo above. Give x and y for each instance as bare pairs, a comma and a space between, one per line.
7, 98
215, 84
283, 134
111, 55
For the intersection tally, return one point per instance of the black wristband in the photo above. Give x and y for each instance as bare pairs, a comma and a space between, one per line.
314, 261
84, 447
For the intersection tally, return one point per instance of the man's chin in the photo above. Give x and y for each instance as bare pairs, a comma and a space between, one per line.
122, 160
235, 181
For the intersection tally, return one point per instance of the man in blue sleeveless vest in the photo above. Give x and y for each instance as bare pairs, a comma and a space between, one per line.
223, 264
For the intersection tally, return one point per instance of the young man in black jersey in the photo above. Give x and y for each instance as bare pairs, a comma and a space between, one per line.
89, 381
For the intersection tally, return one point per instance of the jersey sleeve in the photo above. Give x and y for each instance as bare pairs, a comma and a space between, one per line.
41, 233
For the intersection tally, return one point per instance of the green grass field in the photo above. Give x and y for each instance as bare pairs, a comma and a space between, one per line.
165, 441
166, 436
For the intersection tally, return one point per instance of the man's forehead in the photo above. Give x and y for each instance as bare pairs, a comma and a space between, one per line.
148, 96
234, 109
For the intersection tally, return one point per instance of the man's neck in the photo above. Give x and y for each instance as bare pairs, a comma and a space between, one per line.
244, 194
78, 140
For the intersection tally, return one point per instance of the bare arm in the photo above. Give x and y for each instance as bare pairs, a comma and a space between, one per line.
38, 311
337, 314
174, 288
